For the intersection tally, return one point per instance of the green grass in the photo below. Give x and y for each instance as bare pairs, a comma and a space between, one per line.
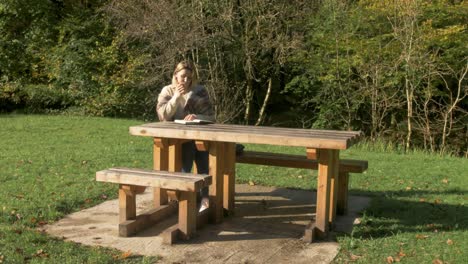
47, 166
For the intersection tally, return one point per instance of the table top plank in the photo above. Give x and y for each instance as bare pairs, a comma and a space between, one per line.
313, 138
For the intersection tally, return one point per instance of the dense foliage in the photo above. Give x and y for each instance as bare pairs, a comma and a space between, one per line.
393, 69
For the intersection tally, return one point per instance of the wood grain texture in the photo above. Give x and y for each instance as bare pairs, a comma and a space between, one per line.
296, 161
188, 214
311, 138
147, 219
229, 177
216, 157
162, 179
328, 164
161, 163
127, 203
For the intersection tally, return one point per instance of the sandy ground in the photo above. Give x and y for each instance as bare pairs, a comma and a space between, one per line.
267, 228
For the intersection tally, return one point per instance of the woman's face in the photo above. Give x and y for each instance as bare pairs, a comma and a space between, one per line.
184, 77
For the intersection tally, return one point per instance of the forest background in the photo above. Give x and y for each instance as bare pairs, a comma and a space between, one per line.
394, 69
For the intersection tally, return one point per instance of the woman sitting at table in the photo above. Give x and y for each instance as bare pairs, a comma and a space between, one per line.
184, 99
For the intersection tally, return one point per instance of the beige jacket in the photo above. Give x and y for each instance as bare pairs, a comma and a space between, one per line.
196, 102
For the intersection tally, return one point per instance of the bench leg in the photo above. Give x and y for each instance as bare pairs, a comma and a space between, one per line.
127, 203
187, 214
342, 204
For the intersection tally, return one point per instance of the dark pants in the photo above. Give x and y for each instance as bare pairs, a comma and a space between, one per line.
191, 154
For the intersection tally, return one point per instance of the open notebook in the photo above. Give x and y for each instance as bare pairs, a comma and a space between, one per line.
193, 122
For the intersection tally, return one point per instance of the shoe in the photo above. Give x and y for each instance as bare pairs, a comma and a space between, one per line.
205, 204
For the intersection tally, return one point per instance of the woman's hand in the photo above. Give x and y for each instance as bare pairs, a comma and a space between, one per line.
190, 117
180, 90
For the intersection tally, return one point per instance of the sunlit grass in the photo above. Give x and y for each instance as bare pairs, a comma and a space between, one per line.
418, 212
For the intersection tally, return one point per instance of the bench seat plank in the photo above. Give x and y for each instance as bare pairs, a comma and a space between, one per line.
296, 161
168, 180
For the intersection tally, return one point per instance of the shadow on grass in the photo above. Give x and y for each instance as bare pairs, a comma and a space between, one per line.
393, 212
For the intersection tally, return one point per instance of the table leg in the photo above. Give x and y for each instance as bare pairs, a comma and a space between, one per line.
229, 177
342, 204
216, 150
160, 162
327, 168
334, 187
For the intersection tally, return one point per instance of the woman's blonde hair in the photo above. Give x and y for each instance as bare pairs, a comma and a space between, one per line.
185, 65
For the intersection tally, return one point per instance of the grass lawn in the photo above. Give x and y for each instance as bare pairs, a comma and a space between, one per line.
47, 167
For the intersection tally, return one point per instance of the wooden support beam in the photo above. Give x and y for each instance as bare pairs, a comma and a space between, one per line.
309, 233
229, 177
296, 161
146, 219
173, 195
334, 186
161, 163
216, 188
327, 165
173, 233
127, 203
311, 153
175, 156
342, 203
188, 214
170, 235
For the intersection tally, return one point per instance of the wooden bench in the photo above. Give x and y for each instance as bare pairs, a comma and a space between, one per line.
182, 189
303, 162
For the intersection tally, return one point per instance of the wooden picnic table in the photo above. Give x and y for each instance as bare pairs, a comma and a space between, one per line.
219, 140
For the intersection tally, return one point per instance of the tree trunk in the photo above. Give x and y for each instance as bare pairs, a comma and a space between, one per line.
409, 115
248, 101
261, 116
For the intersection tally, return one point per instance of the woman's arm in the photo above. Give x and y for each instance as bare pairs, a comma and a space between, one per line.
167, 104
200, 104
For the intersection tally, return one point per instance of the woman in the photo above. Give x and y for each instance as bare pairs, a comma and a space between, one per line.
184, 99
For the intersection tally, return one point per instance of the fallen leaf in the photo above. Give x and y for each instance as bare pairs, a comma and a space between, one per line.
126, 254
390, 259
422, 200
41, 223
401, 254
397, 259
354, 257
419, 236
251, 183
41, 253
449, 242
33, 220
437, 201
437, 261
445, 180
408, 188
